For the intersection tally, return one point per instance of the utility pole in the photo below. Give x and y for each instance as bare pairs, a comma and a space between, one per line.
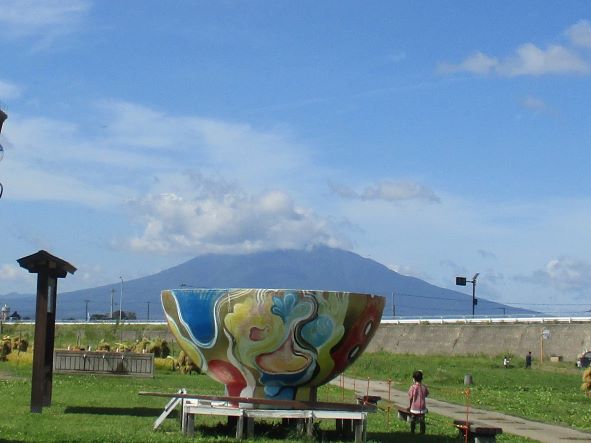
474, 301
148, 303
86, 316
393, 306
121, 300
112, 295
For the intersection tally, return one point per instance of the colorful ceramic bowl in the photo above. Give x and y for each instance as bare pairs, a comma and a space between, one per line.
272, 343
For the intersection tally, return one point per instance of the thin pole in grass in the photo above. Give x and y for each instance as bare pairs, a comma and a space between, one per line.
467, 382
389, 401
467, 430
342, 387
354, 390
367, 390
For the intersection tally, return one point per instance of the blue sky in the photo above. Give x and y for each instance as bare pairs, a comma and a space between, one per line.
438, 138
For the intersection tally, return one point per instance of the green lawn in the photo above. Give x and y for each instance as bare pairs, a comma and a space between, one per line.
89, 408
549, 393
103, 408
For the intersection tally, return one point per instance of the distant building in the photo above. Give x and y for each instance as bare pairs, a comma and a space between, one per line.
125, 315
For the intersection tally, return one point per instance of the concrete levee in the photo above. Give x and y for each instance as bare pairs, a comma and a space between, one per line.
565, 340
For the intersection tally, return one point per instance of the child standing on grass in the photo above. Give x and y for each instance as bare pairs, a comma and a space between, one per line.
417, 395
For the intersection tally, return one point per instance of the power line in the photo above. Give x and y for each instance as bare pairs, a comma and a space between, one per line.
404, 294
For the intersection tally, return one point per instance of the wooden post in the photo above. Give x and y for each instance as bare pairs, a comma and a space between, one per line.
40, 344
49, 340
48, 269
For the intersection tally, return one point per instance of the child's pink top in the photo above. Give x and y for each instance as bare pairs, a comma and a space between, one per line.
417, 394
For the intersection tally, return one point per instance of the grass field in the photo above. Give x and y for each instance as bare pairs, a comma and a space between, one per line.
107, 408
89, 408
548, 393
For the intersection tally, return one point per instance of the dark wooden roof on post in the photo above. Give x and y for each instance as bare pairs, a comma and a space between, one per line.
43, 261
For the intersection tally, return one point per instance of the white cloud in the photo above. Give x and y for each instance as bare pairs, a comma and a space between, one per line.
9, 272
486, 254
580, 33
388, 191
133, 150
564, 273
23, 182
13, 275
409, 271
236, 150
398, 57
533, 103
184, 178
233, 223
530, 59
477, 63
9, 91
44, 20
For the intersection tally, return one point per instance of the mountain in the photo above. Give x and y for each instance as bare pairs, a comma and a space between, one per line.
318, 268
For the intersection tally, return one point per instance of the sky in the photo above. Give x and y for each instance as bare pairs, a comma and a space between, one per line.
439, 138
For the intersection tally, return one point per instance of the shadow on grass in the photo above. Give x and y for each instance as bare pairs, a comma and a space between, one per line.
276, 431
133, 412
407, 437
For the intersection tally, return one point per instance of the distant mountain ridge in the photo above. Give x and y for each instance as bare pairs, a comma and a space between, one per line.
318, 268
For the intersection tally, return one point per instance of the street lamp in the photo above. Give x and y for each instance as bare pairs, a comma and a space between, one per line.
121, 299
461, 281
86, 303
112, 295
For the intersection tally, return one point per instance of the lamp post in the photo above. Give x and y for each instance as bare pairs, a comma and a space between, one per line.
148, 303
86, 315
461, 281
112, 295
121, 300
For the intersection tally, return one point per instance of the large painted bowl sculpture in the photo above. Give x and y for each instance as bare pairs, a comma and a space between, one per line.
272, 343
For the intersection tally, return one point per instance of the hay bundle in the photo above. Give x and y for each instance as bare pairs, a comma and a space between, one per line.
123, 347
156, 346
5, 347
20, 344
185, 365
141, 346
103, 346
159, 348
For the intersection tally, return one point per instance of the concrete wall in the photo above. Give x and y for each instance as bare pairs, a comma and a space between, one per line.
566, 340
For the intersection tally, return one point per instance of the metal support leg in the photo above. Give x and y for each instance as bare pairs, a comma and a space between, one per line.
310, 426
189, 425
300, 426
250, 427
240, 427
358, 427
